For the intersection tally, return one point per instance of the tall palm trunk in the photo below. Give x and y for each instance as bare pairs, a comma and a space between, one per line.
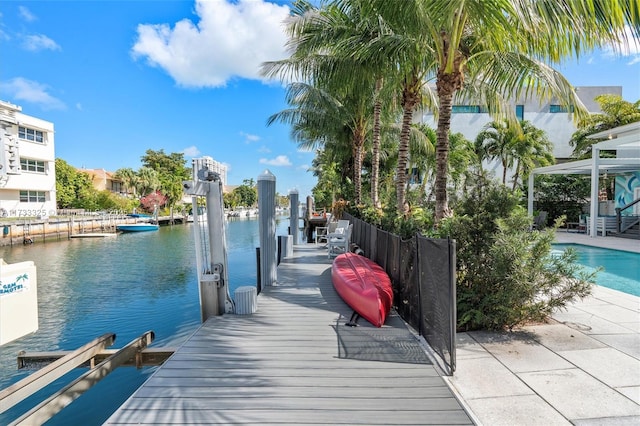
410, 97
375, 167
442, 153
516, 176
446, 85
358, 145
504, 172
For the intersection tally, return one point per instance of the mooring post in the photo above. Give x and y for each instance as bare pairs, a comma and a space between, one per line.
267, 227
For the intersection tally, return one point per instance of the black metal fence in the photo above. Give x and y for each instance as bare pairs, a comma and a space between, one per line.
423, 276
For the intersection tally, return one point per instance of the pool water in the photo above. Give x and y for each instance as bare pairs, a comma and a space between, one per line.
621, 269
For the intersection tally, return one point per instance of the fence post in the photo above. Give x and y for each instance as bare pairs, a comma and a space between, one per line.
293, 215
258, 277
453, 301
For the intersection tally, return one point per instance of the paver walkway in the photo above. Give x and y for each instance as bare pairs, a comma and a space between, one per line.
582, 368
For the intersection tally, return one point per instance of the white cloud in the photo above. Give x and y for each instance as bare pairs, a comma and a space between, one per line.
39, 42
230, 39
304, 167
26, 14
629, 46
191, 151
30, 91
263, 149
248, 138
78, 106
280, 160
634, 60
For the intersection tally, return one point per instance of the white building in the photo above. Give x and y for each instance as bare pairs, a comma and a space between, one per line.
212, 165
469, 119
27, 164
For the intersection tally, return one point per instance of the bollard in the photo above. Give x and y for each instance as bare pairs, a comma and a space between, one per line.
246, 300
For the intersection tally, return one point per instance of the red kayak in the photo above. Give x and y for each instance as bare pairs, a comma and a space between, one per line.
364, 286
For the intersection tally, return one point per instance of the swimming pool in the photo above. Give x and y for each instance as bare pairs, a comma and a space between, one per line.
621, 268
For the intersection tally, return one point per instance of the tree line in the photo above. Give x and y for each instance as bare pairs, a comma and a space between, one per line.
156, 184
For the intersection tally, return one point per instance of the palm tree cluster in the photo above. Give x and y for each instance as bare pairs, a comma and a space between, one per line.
160, 172
520, 148
359, 70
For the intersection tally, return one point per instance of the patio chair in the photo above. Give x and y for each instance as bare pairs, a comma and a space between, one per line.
540, 221
322, 231
582, 223
339, 241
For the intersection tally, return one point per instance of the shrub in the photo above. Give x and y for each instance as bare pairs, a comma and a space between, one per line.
506, 274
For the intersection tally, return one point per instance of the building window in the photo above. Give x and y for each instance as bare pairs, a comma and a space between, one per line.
32, 197
28, 165
560, 108
30, 134
469, 109
414, 176
520, 112
116, 187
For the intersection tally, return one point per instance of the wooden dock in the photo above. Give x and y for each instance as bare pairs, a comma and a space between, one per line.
295, 361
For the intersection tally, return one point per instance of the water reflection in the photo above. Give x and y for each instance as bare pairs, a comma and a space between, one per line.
127, 285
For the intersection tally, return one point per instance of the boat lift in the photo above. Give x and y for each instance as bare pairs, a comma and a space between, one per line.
211, 246
94, 355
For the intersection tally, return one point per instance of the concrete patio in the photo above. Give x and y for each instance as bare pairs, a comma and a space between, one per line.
582, 368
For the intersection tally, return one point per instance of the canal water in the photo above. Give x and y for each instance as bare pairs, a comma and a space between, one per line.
126, 285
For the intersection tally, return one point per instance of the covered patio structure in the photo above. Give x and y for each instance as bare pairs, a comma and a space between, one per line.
625, 140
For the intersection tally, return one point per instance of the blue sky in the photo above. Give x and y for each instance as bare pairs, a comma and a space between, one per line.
119, 77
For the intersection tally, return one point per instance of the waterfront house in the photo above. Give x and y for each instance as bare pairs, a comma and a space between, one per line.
27, 164
103, 180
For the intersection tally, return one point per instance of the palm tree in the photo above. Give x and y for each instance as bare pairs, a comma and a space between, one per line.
497, 141
148, 181
406, 58
329, 183
128, 178
321, 120
533, 150
495, 50
615, 112
460, 160
524, 146
325, 43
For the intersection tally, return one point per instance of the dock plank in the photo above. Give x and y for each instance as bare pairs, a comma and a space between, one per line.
295, 361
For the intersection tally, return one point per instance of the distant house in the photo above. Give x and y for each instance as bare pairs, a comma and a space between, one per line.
229, 188
103, 180
27, 164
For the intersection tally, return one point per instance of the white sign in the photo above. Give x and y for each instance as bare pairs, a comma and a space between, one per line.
16, 284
